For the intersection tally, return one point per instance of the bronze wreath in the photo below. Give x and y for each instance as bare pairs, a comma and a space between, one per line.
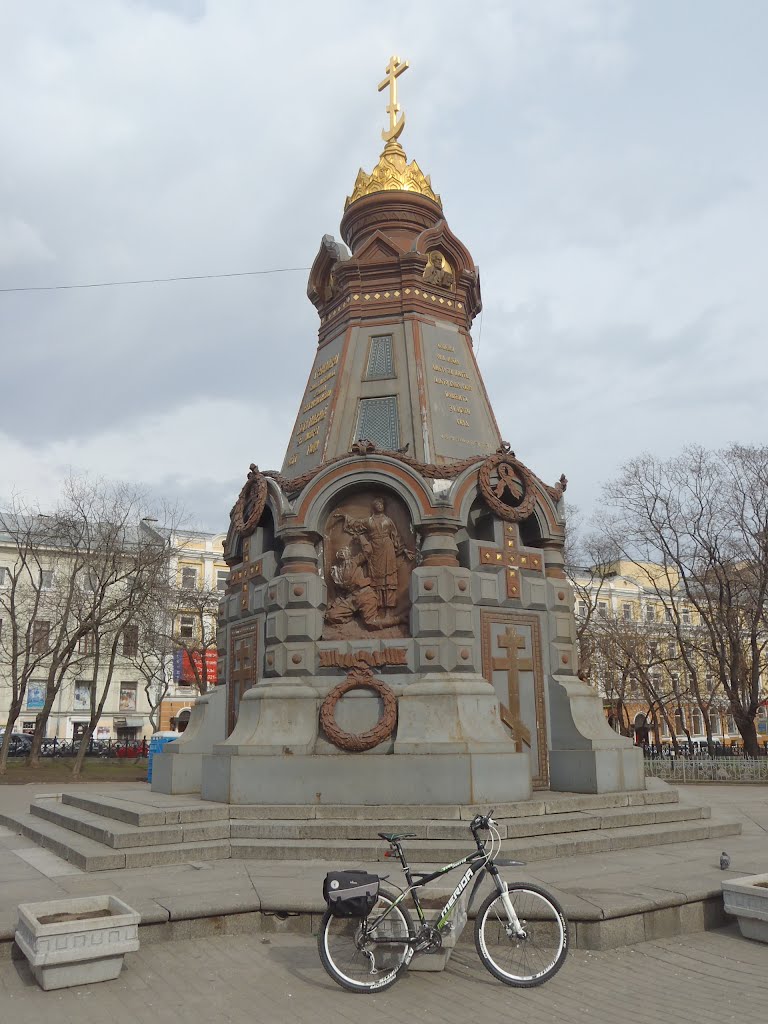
359, 678
512, 513
253, 497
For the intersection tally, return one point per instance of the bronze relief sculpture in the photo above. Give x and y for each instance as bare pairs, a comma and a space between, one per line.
368, 571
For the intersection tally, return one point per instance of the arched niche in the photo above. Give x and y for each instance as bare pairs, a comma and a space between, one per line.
369, 551
263, 537
531, 535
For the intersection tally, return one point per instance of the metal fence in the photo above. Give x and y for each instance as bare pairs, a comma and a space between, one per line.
705, 769
20, 746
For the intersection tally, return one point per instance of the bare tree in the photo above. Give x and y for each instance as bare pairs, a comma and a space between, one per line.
152, 654
590, 561
79, 577
126, 568
703, 517
25, 622
192, 622
43, 630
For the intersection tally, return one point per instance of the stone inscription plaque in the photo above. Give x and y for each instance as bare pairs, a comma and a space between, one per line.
305, 449
370, 552
461, 420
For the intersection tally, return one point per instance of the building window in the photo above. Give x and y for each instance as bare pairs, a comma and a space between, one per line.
671, 649
686, 616
697, 727
188, 577
664, 728
679, 722
130, 641
46, 579
626, 611
82, 698
41, 631
128, 696
378, 422
35, 696
86, 644
581, 609
650, 613
653, 651
222, 579
668, 614
380, 361
4, 576
187, 626
602, 609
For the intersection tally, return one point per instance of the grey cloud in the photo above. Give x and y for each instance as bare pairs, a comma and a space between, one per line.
604, 179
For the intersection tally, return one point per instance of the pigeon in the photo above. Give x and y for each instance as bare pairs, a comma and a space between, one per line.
725, 861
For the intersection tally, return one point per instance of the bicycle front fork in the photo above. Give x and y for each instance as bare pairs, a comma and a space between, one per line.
513, 927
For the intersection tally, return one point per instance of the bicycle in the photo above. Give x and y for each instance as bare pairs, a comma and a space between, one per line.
368, 938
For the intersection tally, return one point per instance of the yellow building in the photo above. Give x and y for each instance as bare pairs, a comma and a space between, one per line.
631, 631
200, 574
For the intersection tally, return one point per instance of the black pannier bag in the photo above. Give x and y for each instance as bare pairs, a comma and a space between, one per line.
350, 893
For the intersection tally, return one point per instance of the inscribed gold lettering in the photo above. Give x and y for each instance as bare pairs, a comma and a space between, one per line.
390, 656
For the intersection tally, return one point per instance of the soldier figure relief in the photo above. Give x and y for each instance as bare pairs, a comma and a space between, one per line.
367, 582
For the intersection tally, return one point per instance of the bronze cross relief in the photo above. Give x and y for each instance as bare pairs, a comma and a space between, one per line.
513, 665
512, 559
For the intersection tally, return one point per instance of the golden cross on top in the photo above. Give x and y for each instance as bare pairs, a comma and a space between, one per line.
394, 69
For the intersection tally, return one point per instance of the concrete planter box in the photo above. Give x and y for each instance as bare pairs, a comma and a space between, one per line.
86, 942
747, 899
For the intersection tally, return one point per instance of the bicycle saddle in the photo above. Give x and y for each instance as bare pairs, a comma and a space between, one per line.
392, 837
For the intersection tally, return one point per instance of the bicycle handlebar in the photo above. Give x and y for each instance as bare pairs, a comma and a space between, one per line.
482, 821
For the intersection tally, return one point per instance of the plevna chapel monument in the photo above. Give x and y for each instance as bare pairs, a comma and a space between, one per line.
398, 628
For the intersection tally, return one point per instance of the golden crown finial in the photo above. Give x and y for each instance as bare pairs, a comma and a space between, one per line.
395, 68
393, 173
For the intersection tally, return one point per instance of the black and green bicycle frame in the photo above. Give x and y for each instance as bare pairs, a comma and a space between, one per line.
478, 862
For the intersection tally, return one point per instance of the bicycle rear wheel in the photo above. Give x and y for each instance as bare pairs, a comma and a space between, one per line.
522, 961
355, 958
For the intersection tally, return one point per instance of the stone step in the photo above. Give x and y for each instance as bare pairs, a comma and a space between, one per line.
120, 835
84, 853
178, 853
547, 824
443, 851
541, 803
90, 855
144, 808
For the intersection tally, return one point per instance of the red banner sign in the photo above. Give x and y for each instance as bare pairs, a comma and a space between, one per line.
185, 667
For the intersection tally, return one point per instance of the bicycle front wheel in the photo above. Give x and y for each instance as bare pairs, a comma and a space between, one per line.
533, 958
367, 956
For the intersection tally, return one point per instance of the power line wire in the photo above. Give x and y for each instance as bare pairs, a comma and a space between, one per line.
153, 280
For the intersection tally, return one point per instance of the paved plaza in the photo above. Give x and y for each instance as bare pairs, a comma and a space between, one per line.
249, 979
251, 965
181, 898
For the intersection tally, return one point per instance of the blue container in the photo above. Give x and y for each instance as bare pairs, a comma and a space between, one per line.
155, 745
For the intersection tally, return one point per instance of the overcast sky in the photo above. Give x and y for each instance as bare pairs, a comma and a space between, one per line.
606, 163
